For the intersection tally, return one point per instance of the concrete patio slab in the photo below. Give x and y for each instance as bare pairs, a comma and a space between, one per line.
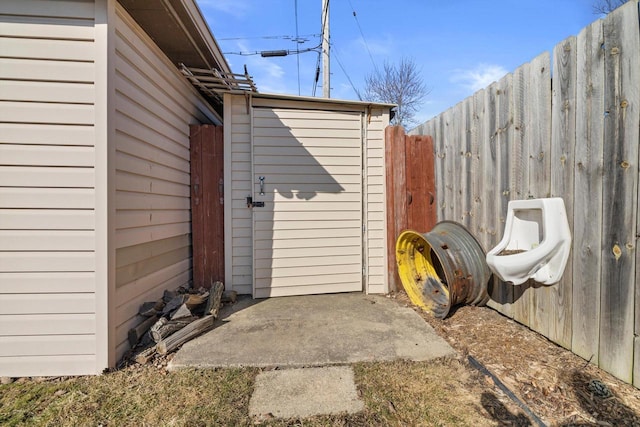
305, 392
313, 330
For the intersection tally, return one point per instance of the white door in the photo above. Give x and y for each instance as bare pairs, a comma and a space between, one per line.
307, 170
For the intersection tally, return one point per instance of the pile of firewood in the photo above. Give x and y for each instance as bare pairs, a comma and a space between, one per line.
178, 317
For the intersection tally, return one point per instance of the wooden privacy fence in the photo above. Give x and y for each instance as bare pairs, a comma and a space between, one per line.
574, 136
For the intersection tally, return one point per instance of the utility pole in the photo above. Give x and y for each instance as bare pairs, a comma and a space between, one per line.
326, 79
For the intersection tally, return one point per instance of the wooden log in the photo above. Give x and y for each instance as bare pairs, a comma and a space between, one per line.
181, 313
215, 297
145, 355
164, 327
151, 308
174, 304
135, 334
194, 300
185, 334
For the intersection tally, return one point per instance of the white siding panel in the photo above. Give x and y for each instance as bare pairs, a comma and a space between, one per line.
47, 304
154, 108
46, 324
79, 93
39, 219
47, 197
44, 134
46, 366
53, 345
52, 49
16, 155
51, 71
37, 112
49, 282
47, 240
27, 176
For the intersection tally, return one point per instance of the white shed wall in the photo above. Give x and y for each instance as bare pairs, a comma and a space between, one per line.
238, 219
154, 106
47, 188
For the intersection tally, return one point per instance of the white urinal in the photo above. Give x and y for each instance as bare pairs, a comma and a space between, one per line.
535, 244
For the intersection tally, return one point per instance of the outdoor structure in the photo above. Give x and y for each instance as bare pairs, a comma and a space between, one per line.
575, 136
305, 195
94, 172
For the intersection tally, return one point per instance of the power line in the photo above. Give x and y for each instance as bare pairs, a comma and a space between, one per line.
303, 38
317, 75
281, 52
355, 16
335, 52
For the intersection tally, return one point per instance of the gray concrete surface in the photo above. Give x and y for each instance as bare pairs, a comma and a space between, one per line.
313, 330
302, 393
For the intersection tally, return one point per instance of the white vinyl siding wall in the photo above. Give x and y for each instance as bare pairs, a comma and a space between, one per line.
154, 108
47, 194
237, 152
238, 218
375, 196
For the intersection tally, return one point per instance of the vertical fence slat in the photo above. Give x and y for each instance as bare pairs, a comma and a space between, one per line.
476, 164
636, 363
587, 210
502, 293
563, 141
519, 178
467, 108
455, 143
450, 177
538, 136
396, 197
621, 101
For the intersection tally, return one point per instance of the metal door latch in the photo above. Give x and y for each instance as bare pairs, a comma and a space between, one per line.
252, 204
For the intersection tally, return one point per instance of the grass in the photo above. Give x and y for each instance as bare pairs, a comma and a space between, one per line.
437, 393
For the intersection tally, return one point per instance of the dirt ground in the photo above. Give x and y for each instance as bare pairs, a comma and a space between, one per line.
559, 387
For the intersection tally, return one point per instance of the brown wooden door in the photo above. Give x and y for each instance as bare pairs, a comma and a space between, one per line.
207, 209
411, 190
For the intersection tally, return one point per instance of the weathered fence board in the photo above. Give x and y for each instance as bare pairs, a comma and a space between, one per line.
563, 135
587, 219
621, 123
579, 141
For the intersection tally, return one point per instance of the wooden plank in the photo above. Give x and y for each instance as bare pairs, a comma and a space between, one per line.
420, 176
538, 137
563, 141
50, 49
46, 198
587, 220
466, 153
479, 159
396, 198
519, 175
621, 135
50, 219
27, 155
42, 134
49, 282
501, 292
490, 184
51, 71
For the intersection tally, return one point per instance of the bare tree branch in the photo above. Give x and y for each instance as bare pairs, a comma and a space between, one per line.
602, 7
399, 84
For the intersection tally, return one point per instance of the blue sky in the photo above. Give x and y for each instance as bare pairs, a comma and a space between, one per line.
460, 46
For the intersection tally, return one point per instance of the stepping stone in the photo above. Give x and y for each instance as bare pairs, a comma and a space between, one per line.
301, 393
